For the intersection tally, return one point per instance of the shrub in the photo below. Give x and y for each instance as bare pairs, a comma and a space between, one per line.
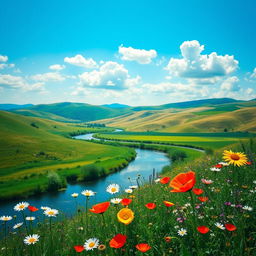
55, 182
178, 155
92, 172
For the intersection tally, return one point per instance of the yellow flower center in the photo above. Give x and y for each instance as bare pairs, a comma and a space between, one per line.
91, 244
21, 206
235, 157
126, 216
32, 240
113, 189
51, 213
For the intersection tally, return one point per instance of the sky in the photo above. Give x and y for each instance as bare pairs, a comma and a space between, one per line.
143, 52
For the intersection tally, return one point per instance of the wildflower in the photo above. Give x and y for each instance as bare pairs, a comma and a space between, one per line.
32, 208
168, 204
228, 203
143, 247
235, 158
5, 218
206, 182
80, 228
44, 208
224, 163
219, 166
118, 241
51, 212
113, 188
21, 206
197, 191
75, 195
165, 180
125, 216
31, 239
214, 169
115, 200
31, 218
151, 206
157, 180
79, 248
91, 244
18, 225
249, 163
168, 239
128, 190
230, 227
88, 193
219, 225
133, 187
247, 208
182, 232
183, 182
126, 201
203, 229
100, 208
203, 198
102, 247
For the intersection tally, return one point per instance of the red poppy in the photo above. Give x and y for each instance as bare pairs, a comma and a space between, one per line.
203, 229
126, 201
143, 247
151, 206
230, 227
183, 182
203, 198
32, 208
118, 241
197, 191
168, 204
168, 239
165, 180
218, 166
79, 248
100, 208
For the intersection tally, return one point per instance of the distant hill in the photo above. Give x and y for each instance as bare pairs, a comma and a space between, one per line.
14, 106
116, 105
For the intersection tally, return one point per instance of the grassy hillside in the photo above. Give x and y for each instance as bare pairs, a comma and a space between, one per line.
203, 119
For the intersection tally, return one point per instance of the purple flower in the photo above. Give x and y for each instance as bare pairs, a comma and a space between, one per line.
227, 203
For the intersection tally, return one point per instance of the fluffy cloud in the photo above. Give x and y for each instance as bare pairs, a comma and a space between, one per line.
80, 61
57, 67
5, 65
230, 84
196, 65
111, 75
50, 76
140, 55
253, 74
3, 58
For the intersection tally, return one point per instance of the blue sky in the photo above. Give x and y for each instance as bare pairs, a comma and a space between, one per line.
133, 52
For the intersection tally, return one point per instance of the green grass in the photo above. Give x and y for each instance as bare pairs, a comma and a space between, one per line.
153, 226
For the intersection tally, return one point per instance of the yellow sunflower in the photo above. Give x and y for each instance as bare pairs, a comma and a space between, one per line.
235, 158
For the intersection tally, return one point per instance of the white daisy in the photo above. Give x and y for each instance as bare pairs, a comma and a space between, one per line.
219, 225
254, 181
31, 239
5, 218
247, 208
91, 244
113, 188
51, 212
224, 163
214, 169
21, 206
44, 208
128, 190
30, 218
115, 200
182, 232
18, 225
74, 195
157, 180
88, 193
133, 187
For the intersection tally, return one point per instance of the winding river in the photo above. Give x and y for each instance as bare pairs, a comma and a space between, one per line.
143, 164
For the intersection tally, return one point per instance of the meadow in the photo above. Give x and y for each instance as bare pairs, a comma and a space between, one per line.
211, 212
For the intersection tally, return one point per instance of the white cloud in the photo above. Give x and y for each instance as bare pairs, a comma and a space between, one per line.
80, 61
253, 74
196, 65
231, 84
165, 87
50, 76
4, 65
111, 75
57, 67
3, 58
140, 55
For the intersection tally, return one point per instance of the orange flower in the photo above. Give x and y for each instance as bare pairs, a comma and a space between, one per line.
198, 191
203, 198
203, 229
165, 180
32, 208
79, 248
168, 204
118, 241
218, 166
151, 206
126, 201
230, 227
183, 182
168, 239
100, 208
125, 216
143, 247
